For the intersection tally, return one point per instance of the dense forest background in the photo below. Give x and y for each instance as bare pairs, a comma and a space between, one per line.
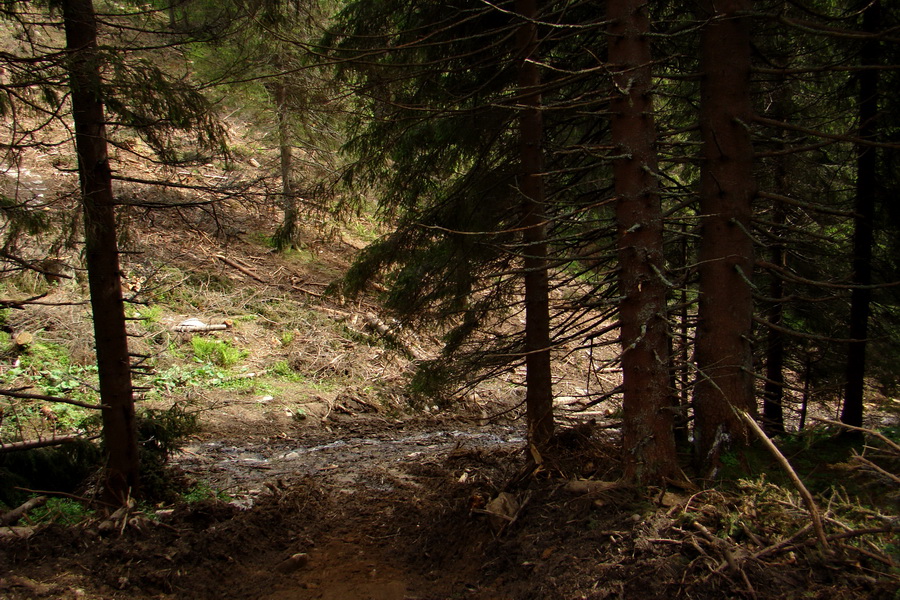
668, 225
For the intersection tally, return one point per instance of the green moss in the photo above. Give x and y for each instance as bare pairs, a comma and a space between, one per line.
42, 354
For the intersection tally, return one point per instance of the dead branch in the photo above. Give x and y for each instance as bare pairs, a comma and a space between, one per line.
868, 464
11, 517
31, 444
20, 304
243, 270
26, 395
720, 545
382, 329
804, 493
306, 291
784, 545
790, 547
893, 445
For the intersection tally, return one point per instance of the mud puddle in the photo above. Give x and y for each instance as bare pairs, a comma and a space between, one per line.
350, 463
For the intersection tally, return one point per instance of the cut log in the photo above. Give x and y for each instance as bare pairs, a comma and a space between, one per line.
193, 325
22, 339
590, 486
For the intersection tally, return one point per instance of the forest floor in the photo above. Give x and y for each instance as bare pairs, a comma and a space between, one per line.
324, 480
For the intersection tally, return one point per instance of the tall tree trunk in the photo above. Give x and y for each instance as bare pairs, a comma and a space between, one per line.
727, 188
647, 432
286, 235
863, 232
101, 250
773, 388
539, 388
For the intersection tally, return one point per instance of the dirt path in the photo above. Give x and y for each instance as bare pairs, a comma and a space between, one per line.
372, 479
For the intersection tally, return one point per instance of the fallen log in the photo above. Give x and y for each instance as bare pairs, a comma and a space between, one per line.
195, 325
13, 516
29, 444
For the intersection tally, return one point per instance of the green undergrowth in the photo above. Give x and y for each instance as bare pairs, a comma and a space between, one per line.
61, 511
826, 463
761, 508
202, 492
218, 352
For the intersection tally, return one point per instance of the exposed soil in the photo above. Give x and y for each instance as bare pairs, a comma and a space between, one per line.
394, 510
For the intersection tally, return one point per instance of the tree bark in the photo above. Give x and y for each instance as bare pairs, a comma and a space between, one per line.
647, 431
539, 388
727, 188
286, 236
773, 388
101, 251
863, 232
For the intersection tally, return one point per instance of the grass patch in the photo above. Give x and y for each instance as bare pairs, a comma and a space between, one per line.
282, 369
217, 352
201, 492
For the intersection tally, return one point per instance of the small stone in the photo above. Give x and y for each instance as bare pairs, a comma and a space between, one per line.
296, 561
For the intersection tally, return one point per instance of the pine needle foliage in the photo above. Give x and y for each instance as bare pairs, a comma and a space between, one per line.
434, 137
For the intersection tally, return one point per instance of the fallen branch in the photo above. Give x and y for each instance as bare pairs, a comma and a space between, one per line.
866, 463
20, 304
234, 265
306, 291
30, 444
721, 545
784, 544
789, 546
11, 517
21, 533
890, 443
387, 333
804, 493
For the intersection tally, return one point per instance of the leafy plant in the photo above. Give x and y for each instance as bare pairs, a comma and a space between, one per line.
62, 511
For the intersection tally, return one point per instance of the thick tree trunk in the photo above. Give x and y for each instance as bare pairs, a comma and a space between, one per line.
725, 313
539, 389
101, 251
647, 432
863, 232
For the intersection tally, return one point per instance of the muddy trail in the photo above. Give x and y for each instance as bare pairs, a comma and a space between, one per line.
373, 460
367, 508
372, 508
